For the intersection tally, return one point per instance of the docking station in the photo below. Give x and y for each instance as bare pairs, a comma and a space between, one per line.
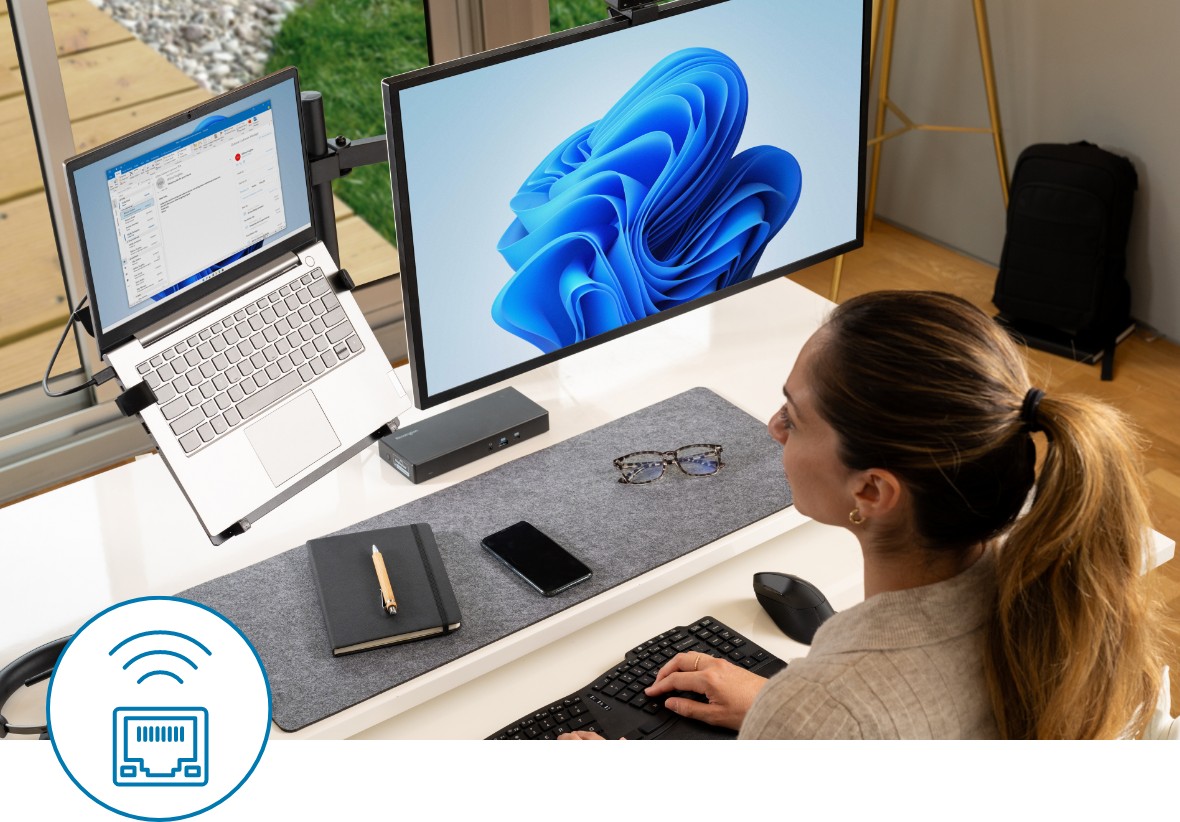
461, 435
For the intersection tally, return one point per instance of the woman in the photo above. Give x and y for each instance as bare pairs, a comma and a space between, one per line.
909, 419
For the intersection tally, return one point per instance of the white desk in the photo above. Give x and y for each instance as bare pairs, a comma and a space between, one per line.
127, 532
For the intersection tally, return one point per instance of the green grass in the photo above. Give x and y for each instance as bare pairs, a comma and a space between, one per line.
344, 49
565, 14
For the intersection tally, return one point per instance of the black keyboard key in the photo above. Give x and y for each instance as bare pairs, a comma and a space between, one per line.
659, 719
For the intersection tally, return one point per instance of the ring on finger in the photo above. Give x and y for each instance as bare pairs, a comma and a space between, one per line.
697, 663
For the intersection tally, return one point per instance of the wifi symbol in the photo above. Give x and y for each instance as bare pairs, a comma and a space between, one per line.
160, 652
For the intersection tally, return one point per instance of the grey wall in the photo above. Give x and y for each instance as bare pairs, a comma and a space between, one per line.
1105, 71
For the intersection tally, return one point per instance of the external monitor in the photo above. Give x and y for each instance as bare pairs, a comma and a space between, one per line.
559, 193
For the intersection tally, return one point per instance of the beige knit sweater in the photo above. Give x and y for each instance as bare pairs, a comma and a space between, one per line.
900, 665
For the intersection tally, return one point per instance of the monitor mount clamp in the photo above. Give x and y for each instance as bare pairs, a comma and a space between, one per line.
634, 11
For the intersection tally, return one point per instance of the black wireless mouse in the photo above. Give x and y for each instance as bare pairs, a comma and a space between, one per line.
796, 606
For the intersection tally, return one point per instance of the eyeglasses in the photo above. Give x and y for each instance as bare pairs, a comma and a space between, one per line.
642, 467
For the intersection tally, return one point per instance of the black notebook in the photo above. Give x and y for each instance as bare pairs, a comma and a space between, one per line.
350, 597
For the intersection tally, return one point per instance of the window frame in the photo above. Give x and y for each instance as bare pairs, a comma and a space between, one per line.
45, 441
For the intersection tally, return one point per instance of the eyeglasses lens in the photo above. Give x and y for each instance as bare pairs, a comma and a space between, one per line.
698, 460
643, 467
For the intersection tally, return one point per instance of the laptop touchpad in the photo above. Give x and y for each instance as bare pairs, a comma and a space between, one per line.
292, 438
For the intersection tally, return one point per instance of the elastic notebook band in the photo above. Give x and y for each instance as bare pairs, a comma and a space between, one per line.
442, 617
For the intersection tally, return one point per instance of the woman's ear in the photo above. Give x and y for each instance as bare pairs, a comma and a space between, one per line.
878, 492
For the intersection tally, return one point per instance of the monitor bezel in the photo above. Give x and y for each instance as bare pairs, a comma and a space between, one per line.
122, 332
391, 87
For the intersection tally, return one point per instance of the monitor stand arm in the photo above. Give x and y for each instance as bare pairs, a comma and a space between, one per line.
330, 161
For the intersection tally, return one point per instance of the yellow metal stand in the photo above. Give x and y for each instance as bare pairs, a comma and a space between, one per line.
885, 104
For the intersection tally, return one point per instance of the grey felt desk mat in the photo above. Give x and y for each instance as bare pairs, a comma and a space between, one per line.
569, 491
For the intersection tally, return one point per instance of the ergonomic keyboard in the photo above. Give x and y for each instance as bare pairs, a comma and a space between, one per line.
614, 704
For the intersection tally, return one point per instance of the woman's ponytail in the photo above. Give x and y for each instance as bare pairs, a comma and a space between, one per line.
1073, 647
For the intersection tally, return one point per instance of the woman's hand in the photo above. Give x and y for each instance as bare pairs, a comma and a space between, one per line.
581, 735
729, 688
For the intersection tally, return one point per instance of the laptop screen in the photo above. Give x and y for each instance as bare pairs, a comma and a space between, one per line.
198, 198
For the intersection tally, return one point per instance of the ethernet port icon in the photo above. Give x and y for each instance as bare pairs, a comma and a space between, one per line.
161, 746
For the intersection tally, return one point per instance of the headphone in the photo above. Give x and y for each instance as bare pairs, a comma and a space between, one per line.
28, 669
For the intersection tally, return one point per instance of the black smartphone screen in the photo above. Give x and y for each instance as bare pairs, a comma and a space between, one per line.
543, 563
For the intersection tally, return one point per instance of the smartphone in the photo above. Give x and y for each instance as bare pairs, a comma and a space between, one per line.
536, 558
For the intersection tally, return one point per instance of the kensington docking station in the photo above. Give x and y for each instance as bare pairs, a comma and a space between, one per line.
461, 435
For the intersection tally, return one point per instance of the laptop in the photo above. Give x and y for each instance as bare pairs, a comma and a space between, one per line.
208, 285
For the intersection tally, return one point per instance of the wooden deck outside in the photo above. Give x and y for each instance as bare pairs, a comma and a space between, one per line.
114, 84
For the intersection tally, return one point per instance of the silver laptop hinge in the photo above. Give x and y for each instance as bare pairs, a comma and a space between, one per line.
206, 304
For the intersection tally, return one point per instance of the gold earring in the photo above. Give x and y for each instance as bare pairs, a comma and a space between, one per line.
854, 517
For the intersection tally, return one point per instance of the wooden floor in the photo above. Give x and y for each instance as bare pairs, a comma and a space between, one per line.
114, 84
1146, 382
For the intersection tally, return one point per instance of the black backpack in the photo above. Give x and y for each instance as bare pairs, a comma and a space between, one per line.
1062, 281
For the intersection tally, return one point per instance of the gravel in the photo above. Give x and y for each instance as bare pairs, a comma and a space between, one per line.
219, 43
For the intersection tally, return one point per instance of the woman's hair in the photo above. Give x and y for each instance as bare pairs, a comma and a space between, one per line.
927, 386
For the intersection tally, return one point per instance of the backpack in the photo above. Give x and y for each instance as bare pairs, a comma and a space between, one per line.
1062, 279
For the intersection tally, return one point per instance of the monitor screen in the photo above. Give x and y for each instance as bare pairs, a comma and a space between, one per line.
187, 201
557, 194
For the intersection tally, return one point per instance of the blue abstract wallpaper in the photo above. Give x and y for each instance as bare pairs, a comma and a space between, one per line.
561, 194
645, 209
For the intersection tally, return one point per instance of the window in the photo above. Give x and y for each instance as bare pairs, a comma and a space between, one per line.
91, 78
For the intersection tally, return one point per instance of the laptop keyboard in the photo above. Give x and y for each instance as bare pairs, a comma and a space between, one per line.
614, 704
215, 380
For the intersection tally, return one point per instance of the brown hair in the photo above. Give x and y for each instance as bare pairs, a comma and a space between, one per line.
927, 386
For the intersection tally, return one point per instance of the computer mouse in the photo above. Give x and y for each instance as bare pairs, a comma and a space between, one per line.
797, 607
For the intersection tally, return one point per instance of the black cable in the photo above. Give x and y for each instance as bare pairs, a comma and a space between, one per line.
97, 379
